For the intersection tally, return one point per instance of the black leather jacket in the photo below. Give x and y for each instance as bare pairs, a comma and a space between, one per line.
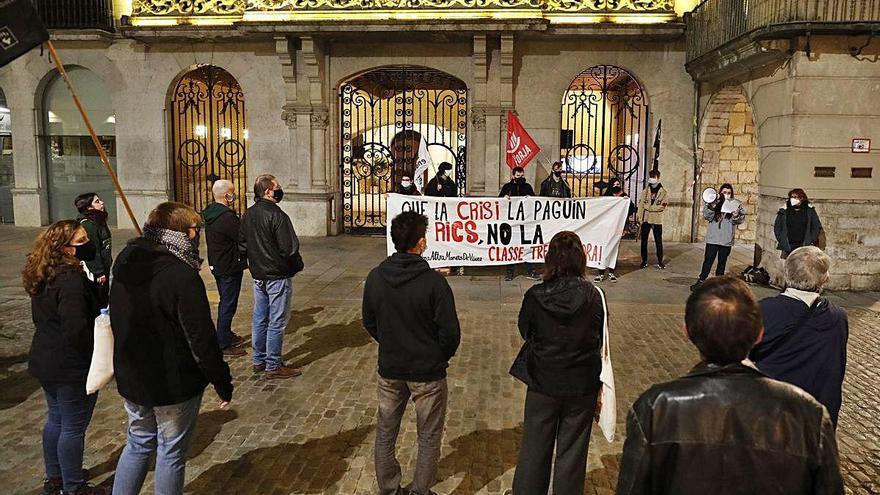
269, 241
728, 430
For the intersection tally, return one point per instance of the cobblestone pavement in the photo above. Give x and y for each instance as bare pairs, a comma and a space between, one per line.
314, 434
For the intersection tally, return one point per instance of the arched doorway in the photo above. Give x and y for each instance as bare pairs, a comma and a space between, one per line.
7, 173
386, 115
730, 155
208, 135
73, 165
604, 131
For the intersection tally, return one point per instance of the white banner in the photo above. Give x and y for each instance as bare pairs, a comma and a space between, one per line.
501, 231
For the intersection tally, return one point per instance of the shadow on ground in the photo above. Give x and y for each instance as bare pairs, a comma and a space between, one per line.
16, 386
208, 426
326, 340
480, 456
301, 319
310, 467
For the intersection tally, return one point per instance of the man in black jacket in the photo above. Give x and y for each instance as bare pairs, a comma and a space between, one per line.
272, 248
442, 185
227, 265
165, 347
555, 186
518, 187
725, 428
410, 310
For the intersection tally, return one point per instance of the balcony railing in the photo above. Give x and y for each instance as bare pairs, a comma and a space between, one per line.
76, 14
716, 22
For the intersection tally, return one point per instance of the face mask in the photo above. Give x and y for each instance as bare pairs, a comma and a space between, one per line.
653, 182
441, 174
85, 252
557, 173
520, 180
795, 201
230, 198
277, 194
405, 184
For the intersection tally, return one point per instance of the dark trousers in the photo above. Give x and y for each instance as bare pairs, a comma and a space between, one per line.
713, 250
429, 399
567, 424
228, 286
64, 434
658, 241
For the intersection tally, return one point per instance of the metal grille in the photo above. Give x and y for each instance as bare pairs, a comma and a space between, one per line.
209, 136
604, 132
76, 14
385, 115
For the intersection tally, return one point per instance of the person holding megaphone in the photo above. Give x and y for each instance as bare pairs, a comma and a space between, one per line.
723, 213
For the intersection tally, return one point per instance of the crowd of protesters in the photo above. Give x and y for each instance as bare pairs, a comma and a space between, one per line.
757, 414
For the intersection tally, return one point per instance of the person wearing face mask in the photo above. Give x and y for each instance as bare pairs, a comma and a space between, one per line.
518, 187
442, 185
805, 334
720, 233
165, 347
93, 217
270, 243
64, 304
650, 217
613, 188
407, 187
409, 309
555, 186
797, 223
222, 226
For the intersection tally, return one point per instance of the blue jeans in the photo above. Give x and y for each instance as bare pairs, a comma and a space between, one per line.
228, 286
166, 430
272, 300
64, 434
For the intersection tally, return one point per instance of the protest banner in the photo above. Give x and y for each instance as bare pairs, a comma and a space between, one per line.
501, 231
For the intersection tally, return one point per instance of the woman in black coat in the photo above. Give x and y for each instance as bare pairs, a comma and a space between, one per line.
93, 217
64, 306
797, 223
561, 321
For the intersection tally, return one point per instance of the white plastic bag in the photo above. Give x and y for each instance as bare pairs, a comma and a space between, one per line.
101, 369
608, 410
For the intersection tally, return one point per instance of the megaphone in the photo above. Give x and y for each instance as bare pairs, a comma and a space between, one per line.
709, 195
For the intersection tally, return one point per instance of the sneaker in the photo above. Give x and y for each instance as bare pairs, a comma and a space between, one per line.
52, 486
459, 271
237, 340
283, 372
508, 277
598, 278
612, 277
661, 266
644, 264
696, 285
533, 276
88, 489
259, 368
233, 351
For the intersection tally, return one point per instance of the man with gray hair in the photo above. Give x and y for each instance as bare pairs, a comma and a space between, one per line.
805, 335
227, 264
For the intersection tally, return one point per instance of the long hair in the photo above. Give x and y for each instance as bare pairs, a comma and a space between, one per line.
565, 257
799, 193
46, 256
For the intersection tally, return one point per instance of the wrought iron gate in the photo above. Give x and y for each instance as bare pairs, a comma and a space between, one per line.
209, 136
604, 132
385, 115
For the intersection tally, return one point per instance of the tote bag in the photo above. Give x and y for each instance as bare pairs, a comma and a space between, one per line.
101, 369
608, 410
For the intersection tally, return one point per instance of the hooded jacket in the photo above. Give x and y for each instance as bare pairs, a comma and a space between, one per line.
64, 316
728, 430
165, 349
811, 233
221, 234
561, 322
813, 358
409, 309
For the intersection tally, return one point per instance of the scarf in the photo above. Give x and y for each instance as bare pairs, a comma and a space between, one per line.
178, 243
97, 216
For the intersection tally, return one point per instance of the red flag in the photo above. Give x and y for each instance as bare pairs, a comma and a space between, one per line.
521, 148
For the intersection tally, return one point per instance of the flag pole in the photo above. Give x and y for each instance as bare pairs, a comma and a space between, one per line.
101, 152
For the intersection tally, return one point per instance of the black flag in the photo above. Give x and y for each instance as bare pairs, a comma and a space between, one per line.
20, 29
656, 164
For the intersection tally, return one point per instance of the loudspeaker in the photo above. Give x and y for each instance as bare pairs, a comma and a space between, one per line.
566, 139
